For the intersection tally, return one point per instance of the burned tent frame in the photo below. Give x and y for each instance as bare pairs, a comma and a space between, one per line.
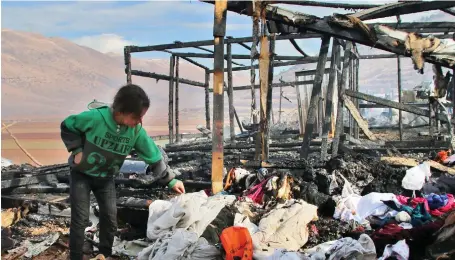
283, 24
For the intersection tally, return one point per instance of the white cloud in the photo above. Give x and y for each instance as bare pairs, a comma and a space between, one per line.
105, 43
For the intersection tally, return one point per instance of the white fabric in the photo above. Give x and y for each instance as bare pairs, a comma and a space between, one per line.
322, 248
403, 216
285, 227
348, 248
400, 250
244, 221
415, 177
239, 173
283, 254
347, 206
176, 225
372, 205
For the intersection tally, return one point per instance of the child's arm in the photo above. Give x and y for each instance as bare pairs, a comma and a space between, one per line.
73, 129
151, 154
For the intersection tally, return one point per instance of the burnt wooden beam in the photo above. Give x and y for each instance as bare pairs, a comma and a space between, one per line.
252, 68
269, 111
402, 8
339, 128
312, 72
315, 93
334, 29
307, 60
179, 45
165, 77
329, 99
363, 124
449, 11
230, 93
373, 105
274, 85
326, 4
190, 61
207, 99
19, 182
171, 99
219, 31
423, 28
127, 57
177, 79
226, 58
264, 63
392, 104
400, 114
234, 56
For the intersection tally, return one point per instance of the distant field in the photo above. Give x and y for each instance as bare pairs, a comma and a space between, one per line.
42, 141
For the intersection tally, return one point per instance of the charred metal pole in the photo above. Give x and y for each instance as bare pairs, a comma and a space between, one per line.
171, 99
300, 108
329, 100
341, 89
400, 115
230, 93
219, 31
177, 136
269, 112
207, 99
318, 77
127, 57
351, 87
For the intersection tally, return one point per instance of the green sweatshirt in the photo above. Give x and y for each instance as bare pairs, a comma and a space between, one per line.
105, 145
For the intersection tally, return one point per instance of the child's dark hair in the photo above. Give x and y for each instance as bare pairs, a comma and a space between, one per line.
131, 99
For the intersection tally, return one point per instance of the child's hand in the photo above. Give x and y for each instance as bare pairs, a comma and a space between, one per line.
178, 187
78, 158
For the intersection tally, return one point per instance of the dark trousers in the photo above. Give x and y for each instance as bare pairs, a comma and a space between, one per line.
104, 191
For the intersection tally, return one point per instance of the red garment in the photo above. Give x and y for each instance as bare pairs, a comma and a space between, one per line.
449, 206
436, 212
256, 193
413, 202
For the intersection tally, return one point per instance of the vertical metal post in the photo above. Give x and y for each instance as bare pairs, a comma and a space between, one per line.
344, 76
329, 100
400, 115
320, 70
219, 31
207, 100
171, 99
177, 132
127, 57
230, 93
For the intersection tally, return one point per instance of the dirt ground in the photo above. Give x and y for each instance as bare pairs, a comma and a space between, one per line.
42, 141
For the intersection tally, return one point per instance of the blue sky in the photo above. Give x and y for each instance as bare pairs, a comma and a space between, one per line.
108, 26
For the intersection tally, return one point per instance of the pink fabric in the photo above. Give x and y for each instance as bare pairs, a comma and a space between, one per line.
413, 202
436, 212
449, 206
256, 193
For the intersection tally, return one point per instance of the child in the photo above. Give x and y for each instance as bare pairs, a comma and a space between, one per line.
99, 141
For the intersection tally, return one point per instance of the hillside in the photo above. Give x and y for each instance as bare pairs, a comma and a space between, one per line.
51, 77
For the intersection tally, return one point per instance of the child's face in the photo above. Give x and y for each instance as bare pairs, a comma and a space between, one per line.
130, 120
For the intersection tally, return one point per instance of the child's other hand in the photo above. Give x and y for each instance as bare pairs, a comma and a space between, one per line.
178, 187
78, 158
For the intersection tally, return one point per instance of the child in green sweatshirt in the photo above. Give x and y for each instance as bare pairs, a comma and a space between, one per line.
99, 141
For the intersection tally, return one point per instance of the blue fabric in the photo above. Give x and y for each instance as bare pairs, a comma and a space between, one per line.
436, 201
